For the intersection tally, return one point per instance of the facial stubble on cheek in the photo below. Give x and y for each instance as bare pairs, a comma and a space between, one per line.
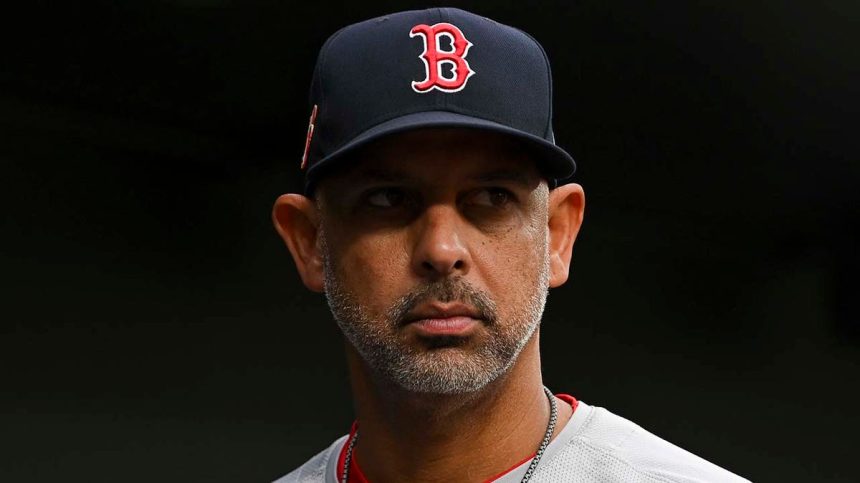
442, 365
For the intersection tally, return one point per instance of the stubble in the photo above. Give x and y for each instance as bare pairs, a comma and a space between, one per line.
444, 366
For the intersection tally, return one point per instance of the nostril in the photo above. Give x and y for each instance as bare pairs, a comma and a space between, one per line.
430, 266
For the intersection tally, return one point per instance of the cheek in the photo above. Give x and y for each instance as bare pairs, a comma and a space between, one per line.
510, 265
372, 267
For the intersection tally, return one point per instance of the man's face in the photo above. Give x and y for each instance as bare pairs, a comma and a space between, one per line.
435, 251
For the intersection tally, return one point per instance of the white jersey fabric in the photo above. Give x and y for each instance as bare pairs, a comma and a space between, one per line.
594, 446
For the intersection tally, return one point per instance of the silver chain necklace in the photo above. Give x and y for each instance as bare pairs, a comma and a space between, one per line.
550, 428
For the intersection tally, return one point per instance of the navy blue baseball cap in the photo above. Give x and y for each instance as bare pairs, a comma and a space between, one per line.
440, 67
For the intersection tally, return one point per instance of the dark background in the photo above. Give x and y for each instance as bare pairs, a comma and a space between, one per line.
154, 328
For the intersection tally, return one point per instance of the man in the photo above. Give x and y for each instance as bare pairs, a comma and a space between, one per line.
435, 221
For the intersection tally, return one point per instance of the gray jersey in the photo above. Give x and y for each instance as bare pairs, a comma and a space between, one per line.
594, 446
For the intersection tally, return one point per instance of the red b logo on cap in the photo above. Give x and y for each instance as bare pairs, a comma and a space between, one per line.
434, 58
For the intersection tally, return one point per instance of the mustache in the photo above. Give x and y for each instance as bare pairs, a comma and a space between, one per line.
445, 290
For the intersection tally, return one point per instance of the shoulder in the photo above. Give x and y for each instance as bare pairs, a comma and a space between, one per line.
613, 448
315, 469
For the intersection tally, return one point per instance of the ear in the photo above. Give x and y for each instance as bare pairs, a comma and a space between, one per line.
566, 208
296, 219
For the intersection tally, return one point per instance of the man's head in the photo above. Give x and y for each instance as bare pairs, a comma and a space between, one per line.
435, 241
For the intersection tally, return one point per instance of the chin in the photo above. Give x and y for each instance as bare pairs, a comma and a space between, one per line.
447, 371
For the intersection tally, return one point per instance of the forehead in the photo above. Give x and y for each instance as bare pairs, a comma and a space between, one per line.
439, 154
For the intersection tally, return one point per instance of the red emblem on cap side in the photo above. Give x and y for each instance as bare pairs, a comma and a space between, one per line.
309, 136
434, 58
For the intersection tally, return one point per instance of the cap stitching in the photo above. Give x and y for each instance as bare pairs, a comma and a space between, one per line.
455, 109
320, 65
442, 100
548, 127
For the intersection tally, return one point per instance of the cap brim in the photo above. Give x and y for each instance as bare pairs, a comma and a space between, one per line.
553, 162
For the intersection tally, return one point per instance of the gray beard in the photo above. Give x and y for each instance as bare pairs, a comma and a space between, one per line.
438, 370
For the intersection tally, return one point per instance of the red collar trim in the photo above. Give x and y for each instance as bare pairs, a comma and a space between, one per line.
357, 476
568, 399
564, 397
355, 473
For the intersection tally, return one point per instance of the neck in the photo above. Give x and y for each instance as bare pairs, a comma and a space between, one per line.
419, 437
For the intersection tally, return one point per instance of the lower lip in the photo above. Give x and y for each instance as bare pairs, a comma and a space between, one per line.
446, 326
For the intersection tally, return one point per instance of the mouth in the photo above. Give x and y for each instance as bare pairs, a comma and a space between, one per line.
436, 320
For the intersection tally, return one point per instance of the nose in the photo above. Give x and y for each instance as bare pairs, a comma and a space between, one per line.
439, 249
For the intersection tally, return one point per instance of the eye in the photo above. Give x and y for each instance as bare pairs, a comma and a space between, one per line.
386, 198
492, 197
